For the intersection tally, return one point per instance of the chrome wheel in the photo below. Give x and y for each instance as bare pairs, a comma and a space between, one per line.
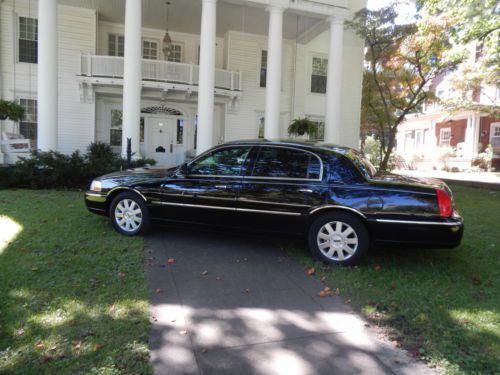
337, 240
128, 215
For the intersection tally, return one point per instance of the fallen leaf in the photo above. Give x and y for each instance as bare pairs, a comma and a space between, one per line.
396, 343
40, 345
311, 271
204, 273
77, 345
97, 346
34, 269
377, 268
53, 348
322, 294
171, 261
159, 290
327, 289
347, 301
121, 274
323, 278
337, 292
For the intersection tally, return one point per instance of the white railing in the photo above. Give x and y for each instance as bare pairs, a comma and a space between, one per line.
156, 70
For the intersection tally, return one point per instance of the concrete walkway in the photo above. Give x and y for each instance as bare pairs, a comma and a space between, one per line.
236, 305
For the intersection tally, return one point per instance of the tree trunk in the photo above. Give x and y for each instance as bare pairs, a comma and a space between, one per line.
388, 151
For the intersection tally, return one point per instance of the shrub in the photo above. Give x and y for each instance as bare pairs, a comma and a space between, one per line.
46, 170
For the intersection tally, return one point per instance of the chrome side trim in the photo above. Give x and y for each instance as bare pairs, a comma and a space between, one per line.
225, 208
95, 195
338, 207
391, 221
129, 189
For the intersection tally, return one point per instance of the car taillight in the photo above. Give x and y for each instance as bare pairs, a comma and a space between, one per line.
444, 202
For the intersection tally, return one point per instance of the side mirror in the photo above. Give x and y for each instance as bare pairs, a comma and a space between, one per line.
184, 169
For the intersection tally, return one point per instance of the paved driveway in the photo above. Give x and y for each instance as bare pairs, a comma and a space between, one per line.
238, 305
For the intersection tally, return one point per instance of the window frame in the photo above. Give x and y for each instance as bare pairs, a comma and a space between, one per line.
32, 121
117, 37
441, 131
18, 38
247, 162
261, 67
181, 45
322, 57
150, 40
321, 166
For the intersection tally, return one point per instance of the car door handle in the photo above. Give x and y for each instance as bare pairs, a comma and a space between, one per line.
305, 190
221, 186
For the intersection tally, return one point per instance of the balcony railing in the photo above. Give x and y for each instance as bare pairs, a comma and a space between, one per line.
157, 70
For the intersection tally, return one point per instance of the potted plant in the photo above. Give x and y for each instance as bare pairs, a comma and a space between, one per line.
11, 110
302, 126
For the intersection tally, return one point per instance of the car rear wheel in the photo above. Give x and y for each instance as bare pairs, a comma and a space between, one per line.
129, 214
338, 238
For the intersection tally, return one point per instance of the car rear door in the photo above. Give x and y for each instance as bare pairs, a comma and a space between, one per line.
283, 184
206, 191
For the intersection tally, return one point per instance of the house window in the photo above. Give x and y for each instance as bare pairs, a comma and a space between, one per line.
445, 136
175, 53
260, 124
180, 131
150, 50
318, 75
263, 68
115, 132
320, 134
495, 137
116, 45
28, 40
28, 126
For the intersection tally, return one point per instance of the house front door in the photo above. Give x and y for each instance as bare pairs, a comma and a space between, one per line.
161, 141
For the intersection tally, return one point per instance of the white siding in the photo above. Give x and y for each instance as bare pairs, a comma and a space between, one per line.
76, 33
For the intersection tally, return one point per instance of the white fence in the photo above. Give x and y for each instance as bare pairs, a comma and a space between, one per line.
156, 70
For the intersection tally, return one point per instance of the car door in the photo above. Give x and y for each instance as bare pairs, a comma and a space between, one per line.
205, 190
282, 186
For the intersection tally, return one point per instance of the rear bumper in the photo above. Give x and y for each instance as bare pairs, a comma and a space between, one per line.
429, 233
96, 202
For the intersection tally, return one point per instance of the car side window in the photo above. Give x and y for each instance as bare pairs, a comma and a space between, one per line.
342, 170
229, 161
281, 162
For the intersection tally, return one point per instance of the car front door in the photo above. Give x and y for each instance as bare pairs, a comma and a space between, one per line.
283, 185
205, 190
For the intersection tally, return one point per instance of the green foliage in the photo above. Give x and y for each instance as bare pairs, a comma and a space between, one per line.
11, 110
400, 61
478, 22
48, 170
302, 126
442, 305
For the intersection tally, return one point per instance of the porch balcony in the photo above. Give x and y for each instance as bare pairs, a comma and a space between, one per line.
102, 70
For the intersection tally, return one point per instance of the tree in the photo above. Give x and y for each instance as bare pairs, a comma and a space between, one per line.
474, 21
400, 63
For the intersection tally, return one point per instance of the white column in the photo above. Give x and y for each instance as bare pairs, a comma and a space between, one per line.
47, 75
273, 77
132, 76
334, 80
206, 77
471, 136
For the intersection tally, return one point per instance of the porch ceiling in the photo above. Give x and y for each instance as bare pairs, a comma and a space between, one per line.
185, 16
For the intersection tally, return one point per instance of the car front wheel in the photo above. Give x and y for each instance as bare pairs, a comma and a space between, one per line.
129, 214
338, 238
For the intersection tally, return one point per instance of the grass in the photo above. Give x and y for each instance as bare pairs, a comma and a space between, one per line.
442, 305
73, 293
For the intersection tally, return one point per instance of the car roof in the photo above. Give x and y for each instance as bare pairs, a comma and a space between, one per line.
318, 146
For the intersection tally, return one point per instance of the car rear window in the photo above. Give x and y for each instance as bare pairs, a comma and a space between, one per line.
282, 162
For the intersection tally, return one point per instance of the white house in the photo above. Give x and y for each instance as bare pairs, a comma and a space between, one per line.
176, 77
437, 139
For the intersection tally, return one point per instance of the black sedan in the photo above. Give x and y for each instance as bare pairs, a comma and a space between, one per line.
330, 194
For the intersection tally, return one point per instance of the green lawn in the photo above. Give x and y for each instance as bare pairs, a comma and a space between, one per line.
442, 305
73, 294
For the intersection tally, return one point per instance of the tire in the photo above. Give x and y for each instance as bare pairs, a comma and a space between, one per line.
129, 214
338, 238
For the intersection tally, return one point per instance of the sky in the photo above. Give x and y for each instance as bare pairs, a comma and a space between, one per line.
406, 8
